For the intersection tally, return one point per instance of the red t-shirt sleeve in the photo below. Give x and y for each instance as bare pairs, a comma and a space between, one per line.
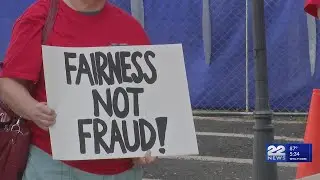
145, 40
23, 59
311, 7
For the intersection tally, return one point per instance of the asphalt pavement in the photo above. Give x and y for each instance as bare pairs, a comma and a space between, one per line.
225, 151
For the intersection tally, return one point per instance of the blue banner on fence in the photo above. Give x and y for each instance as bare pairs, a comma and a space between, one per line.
222, 84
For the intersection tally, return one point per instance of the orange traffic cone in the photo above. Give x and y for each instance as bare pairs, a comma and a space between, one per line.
311, 170
311, 7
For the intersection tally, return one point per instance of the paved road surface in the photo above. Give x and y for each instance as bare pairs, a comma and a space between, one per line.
225, 147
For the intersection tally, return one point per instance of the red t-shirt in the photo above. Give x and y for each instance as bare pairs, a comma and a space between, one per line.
23, 59
311, 7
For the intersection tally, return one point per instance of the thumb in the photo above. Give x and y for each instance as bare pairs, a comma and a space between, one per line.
44, 103
45, 109
148, 154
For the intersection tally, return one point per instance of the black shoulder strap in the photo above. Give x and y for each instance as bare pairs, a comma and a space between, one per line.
47, 28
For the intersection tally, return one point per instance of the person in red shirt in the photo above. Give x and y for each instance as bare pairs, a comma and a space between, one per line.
79, 23
312, 7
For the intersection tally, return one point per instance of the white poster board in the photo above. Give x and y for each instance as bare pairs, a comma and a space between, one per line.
119, 102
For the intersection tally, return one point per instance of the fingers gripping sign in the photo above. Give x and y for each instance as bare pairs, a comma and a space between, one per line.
42, 115
147, 159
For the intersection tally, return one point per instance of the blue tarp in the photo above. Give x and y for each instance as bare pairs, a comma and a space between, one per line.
221, 85
290, 78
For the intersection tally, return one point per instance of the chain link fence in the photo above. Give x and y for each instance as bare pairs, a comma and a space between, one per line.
217, 40
228, 57
288, 55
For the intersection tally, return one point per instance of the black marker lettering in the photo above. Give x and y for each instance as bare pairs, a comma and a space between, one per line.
84, 68
125, 66
97, 100
162, 128
102, 63
146, 145
114, 67
83, 135
153, 78
124, 113
137, 78
69, 68
136, 144
98, 141
116, 137
135, 92
94, 68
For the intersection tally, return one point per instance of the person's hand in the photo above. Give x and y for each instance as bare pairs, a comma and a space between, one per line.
42, 115
147, 159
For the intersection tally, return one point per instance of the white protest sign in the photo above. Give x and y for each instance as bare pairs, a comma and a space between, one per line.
119, 102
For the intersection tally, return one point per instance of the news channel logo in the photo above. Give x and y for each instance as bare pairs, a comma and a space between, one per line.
289, 152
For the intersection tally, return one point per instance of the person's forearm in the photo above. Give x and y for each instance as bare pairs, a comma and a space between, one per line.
16, 96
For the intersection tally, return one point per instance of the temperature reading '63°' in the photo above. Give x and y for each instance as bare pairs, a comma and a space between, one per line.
293, 148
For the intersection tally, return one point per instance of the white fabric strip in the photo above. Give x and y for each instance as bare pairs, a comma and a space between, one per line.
206, 30
312, 37
137, 10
